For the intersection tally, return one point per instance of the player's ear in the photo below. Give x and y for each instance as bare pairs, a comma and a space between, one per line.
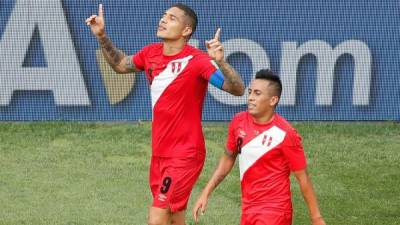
187, 31
274, 100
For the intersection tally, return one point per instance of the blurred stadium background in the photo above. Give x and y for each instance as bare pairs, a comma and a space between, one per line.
339, 61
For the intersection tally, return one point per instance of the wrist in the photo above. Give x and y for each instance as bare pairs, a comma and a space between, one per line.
220, 62
205, 194
317, 217
101, 35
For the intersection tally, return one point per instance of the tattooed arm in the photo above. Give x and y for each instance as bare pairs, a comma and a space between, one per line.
118, 60
224, 167
115, 57
232, 82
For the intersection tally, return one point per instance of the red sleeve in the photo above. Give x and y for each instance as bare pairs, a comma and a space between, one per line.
294, 152
139, 59
206, 66
231, 138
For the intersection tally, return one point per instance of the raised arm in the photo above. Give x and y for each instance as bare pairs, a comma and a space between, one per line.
232, 83
118, 60
224, 167
310, 197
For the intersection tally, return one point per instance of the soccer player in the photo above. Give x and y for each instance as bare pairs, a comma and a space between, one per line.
269, 149
178, 75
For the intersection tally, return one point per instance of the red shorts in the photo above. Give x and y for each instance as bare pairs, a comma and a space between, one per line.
172, 181
267, 218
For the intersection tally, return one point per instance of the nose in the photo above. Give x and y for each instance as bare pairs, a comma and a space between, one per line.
163, 20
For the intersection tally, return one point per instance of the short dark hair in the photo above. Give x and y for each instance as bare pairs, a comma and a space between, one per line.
189, 13
274, 79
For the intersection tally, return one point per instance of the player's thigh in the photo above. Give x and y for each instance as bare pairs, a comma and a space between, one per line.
178, 218
268, 218
176, 183
158, 216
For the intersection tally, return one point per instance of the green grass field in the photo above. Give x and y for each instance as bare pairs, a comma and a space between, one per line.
93, 174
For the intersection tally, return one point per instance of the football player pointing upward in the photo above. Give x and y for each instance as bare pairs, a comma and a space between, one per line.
178, 75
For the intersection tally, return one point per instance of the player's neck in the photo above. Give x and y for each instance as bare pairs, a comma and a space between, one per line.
264, 119
173, 47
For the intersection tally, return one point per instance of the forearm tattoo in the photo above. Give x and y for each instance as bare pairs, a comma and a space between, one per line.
129, 64
218, 180
220, 177
113, 55
231, 76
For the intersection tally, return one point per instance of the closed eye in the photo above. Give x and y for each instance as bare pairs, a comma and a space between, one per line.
255, 92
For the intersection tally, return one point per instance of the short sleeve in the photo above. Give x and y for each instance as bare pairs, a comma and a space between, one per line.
231, 138
139, 59
294, 152
207, 66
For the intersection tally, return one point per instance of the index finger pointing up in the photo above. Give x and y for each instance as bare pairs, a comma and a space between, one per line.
217, 34
101, 11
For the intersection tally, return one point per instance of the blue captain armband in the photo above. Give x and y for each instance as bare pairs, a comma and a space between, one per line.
217, 79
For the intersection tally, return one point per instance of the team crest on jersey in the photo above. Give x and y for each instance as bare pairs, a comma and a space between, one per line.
267, 140
176, 67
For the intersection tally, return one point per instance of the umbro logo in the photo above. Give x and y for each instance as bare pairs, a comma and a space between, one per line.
242, 134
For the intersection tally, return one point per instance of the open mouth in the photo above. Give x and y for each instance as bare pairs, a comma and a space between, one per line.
161, 28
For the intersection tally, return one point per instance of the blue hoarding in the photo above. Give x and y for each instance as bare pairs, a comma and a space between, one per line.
339, 60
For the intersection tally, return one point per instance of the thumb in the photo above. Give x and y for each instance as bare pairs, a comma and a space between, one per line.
203, 208
207, 44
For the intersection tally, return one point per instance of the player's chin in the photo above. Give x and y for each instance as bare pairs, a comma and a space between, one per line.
161, 34
252, 110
